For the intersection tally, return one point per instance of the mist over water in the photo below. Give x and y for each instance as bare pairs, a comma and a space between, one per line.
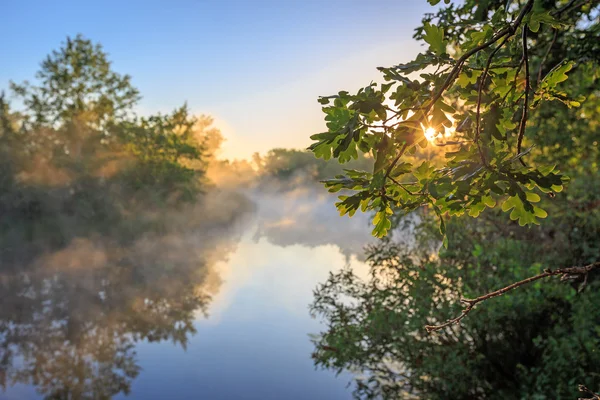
211, 303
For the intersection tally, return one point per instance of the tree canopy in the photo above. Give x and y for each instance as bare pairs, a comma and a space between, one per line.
77, 79
489, 69
507, 91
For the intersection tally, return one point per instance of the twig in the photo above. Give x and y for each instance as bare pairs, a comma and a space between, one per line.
570, 4
402, 186
564, 272
539, 74
479, 92
494, 67
453, 143
509, 30
526, 101
393, 164
584, 389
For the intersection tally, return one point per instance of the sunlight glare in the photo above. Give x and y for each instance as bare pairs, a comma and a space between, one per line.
431, 134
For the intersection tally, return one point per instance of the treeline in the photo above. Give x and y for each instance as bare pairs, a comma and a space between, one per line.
75, 157
105, 236
279, 169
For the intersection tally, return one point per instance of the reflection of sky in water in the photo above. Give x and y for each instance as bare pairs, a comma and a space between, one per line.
307, 216
255, 344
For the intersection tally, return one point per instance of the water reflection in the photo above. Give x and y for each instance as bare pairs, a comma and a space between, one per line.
306, 216
70, 319
97, 318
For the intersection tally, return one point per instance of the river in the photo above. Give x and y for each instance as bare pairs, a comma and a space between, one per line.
227, 319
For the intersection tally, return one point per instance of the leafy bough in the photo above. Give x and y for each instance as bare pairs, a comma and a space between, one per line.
479, 93
473, 84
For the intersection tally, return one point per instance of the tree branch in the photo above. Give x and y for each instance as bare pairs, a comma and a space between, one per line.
584, 389
526, 101
479, 92
570, 4
543, 60
509, 30
402, 186
565, 273
393, 164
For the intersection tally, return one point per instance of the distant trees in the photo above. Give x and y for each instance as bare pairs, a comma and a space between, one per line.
78, 120
101, 245
288, 163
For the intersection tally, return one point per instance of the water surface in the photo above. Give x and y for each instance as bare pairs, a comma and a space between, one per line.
215, 311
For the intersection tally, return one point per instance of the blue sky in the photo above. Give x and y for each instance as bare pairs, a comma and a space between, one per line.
257, 66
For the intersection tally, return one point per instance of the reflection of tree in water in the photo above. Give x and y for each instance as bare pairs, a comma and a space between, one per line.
70, 319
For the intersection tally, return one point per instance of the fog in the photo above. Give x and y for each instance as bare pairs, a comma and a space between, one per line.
88, 304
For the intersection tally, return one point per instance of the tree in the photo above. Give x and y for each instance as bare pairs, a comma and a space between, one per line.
79, 127
74, 80
170, 153
537, 343
477, 83
487, 72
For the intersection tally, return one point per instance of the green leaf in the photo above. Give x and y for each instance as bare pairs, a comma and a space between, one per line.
556, 75
434, 36
423, 171
544, 18
476, 209
382, 222
533, 197
489, 201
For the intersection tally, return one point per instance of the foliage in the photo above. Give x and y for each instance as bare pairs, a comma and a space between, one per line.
541, 341
169, 153
77, 79
476, 82
537, 343
286, 163
98, 251
77, 123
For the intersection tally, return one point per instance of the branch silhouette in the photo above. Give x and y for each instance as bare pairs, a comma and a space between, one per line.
565, 273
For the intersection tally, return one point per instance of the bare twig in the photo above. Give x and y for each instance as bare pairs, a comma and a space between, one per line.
570, 4
539, 74
526, 101
470, 303
584, 389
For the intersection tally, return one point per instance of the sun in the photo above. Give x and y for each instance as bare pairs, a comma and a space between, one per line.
431, 134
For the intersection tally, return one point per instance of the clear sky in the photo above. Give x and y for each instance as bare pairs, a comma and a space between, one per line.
256, 66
